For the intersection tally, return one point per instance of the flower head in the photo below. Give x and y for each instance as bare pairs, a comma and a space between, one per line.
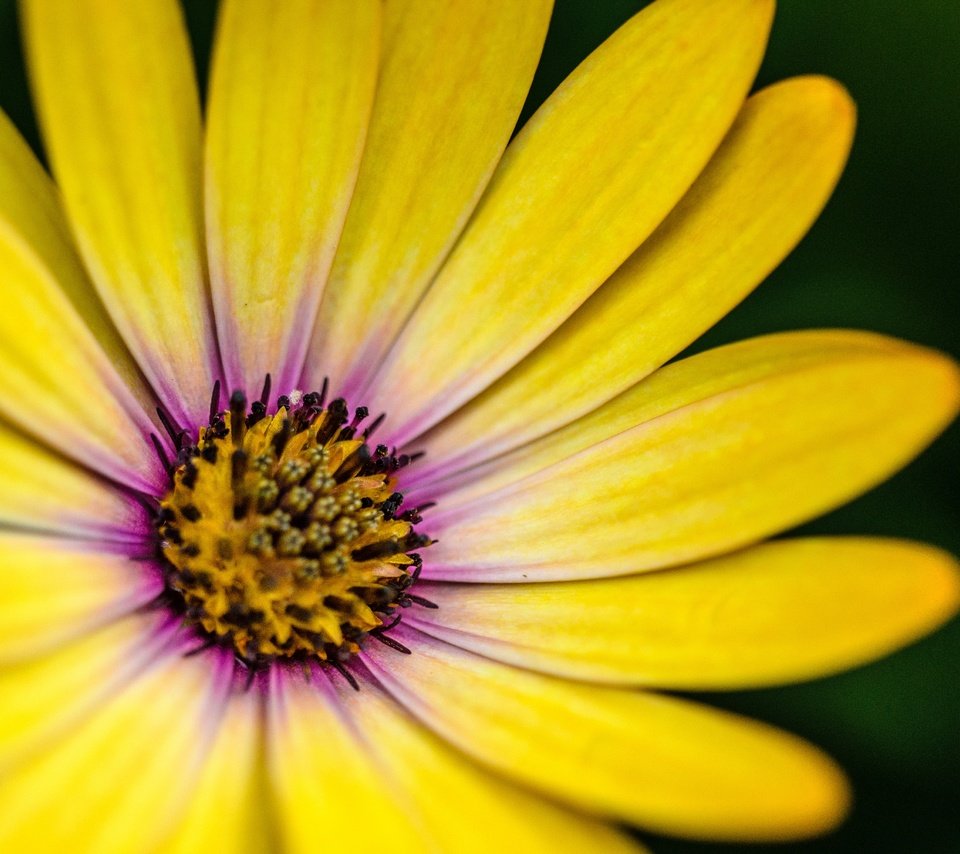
345, 499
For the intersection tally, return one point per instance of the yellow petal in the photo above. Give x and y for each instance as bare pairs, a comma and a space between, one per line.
226, 811
452, 82
490, 814
329, 792
121, 779
757, 197
118, 106
54, 589
775, 613
32, 216
587, 180
291, 88
51, 321
45, 698
732, 445
43, 491
662, 763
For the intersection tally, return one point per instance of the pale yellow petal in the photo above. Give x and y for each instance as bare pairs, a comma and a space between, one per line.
44, 698
662, 763
477, 812
118, 107
328, 790
775, 613
121, 778
758, 195
54, 589
43, 491
63, 376
226, 809
596, 169
675, 386
731, 446
291, 88
453, 78
31, 214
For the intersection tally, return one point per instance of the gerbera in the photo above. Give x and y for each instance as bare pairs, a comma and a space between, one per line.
244, 610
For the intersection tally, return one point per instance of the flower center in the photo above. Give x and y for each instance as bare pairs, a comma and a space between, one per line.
281, 532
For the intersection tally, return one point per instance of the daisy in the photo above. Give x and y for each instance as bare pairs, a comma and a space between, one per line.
345, 503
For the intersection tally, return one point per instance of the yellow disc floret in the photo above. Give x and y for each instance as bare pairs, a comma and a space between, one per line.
280, 532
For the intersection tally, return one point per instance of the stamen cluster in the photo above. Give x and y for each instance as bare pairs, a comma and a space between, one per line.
283, 533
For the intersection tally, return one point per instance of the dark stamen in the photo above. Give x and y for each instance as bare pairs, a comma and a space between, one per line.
385, 548
189, 479
346, 674
423, 603
173, 431
390, 507
391, 625
251, 675
336, 416
201, 648
241, 508
373, 425
352, 464
214, 402
238, 409
190, 512
161, 453
377, 634
282, 437
358, 416
258, 411
238, 465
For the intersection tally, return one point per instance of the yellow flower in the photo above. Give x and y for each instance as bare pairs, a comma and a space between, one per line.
209, 534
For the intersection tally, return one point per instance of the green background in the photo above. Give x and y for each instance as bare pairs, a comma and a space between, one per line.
884, 256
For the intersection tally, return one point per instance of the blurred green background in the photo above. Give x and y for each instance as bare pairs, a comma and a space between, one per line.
884, 256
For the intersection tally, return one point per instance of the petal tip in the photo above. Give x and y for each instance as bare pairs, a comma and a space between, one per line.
942, 588
764, 11
942, 372
753, 12
820, 800
930, 377
827, 803
834, 96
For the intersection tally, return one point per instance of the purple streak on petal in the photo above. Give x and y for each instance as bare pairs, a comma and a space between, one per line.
377, 664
